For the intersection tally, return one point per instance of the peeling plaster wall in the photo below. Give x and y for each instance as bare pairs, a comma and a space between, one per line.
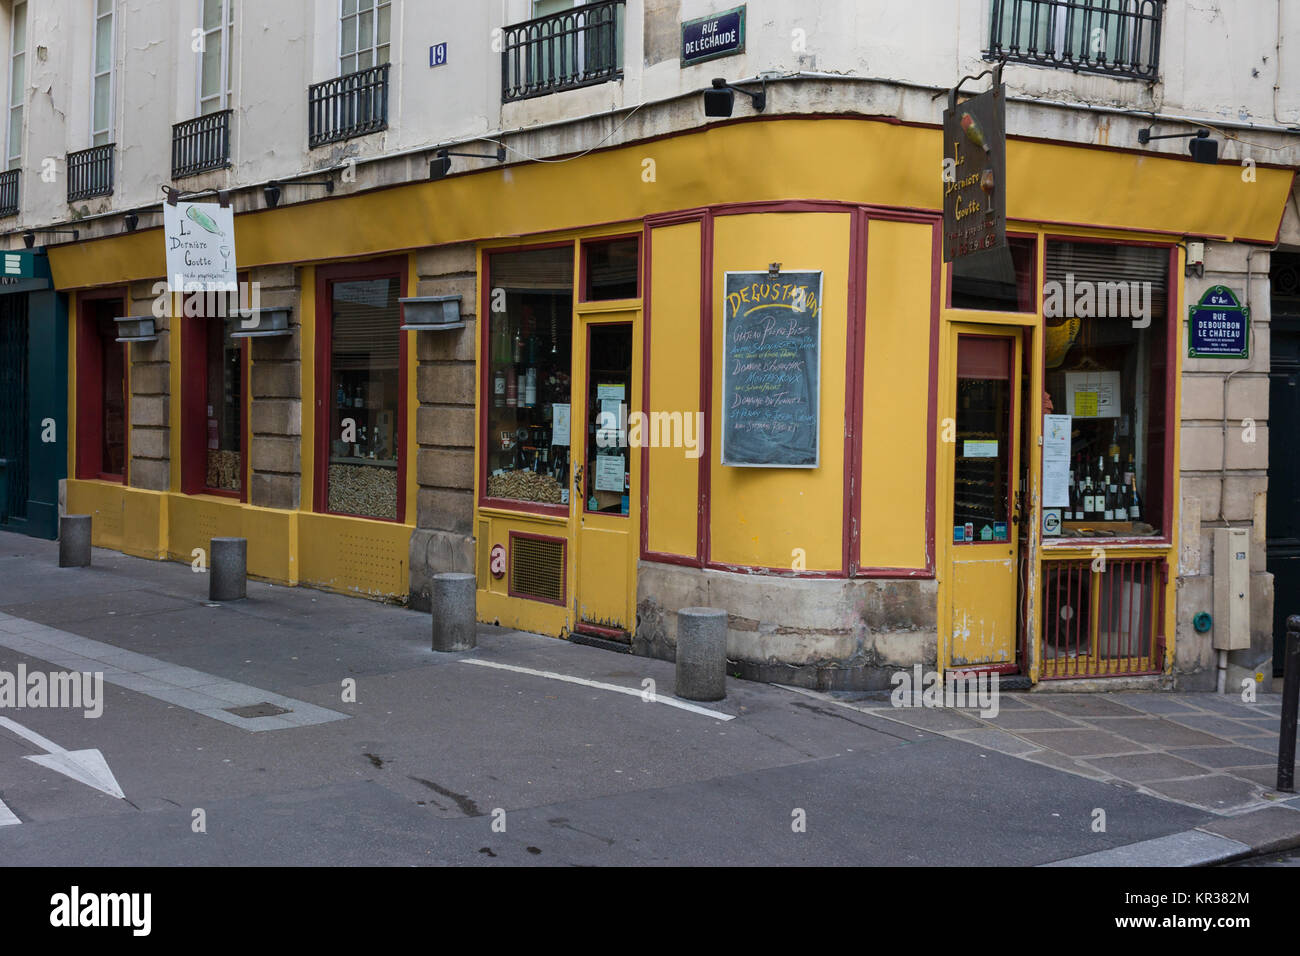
1219, 62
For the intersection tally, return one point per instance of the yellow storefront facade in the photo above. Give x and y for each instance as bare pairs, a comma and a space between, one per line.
597, 287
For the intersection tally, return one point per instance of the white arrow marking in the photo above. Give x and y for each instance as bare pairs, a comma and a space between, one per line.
84, 766
7, 818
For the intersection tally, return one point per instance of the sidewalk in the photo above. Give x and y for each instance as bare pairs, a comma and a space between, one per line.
237, 709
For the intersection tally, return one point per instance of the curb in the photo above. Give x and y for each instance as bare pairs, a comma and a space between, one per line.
1258, 833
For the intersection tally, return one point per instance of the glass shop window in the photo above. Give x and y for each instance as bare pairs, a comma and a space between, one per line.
606, 487
224, 405
999, 280
1106, 357
529, 350
982, 468
611, 269
365, 389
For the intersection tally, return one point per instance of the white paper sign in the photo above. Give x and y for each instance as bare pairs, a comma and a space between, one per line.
979, 449
1056, 461
609, 472
609, 393
200, 245
559, 424
1092, 394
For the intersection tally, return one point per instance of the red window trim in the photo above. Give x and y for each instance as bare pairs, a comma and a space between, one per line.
485, 390
89, 390
584, 244
393, 267
194, 391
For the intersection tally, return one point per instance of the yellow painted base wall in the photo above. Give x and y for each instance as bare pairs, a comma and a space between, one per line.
348, 555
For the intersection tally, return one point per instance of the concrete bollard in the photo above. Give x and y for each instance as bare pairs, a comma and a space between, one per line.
452, 597
701, 653
74, 541
227, 569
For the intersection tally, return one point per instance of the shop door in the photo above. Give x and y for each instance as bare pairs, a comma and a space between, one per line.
1283, 522
605, 472
984, 521
13, 407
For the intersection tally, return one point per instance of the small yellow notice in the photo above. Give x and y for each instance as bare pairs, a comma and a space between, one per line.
1085, 404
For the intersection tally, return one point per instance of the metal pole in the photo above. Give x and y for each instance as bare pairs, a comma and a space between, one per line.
1290, 700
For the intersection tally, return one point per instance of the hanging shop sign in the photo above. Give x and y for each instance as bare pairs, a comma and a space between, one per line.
722, 34
200, 245
24, 271
771, 369
975, 173
1218, 326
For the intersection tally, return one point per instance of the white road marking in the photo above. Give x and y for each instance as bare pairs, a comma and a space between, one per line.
84, 766
200, 692
630, 691
7, 818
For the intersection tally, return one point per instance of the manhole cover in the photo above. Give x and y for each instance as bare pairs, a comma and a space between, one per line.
264, 709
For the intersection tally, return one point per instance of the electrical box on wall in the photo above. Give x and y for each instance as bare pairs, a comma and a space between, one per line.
1231, 589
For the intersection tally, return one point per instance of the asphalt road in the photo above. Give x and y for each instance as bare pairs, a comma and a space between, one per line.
439, 761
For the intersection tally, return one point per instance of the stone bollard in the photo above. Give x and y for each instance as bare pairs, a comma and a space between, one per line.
701, 653
227, 569
74, 541
452, 597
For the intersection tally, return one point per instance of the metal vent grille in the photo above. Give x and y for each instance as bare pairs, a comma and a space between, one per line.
537, 568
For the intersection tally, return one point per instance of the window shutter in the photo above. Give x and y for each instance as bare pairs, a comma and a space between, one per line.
1099, 262
366, 320
533, 270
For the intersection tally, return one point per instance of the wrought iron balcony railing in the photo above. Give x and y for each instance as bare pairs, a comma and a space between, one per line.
347, 106
1114, 37
200, 144
9, 192
563, 51
90, 172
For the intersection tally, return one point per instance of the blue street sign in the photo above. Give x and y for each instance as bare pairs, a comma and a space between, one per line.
438, 54
722, 34
1218, 326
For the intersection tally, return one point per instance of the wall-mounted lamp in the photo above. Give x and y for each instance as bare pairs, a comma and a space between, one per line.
440, 165
1202, 148
774, 270
428, 313
720, 100
29, 237
262, 323
136, 328
1195, 258
174, 195
132, 219
271, 191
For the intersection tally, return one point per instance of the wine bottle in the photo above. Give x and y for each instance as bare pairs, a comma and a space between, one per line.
530, 388
1134, 504
1107, 507
499, 387
512, 387
1089, 501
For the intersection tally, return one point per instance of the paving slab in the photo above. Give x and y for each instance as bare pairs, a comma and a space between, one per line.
1214, 791
1081, 743
1269, 830
1032, 719
1158, 732
1084, 705
1141, 768
1228, 727
995, 740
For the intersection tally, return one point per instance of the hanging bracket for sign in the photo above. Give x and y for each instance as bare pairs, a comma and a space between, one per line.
174, 195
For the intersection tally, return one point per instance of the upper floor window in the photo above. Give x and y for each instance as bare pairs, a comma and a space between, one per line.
101, 97
214, 68
1117, 37
567, 44
17, 84
365, 27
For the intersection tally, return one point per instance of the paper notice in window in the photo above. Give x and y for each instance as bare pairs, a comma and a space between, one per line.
559, 424
1056, 437
610, 471
1085, 404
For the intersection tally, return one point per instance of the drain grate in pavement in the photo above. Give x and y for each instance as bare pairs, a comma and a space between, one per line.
264, 709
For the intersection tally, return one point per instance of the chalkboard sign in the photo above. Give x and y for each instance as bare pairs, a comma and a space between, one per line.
771, 369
